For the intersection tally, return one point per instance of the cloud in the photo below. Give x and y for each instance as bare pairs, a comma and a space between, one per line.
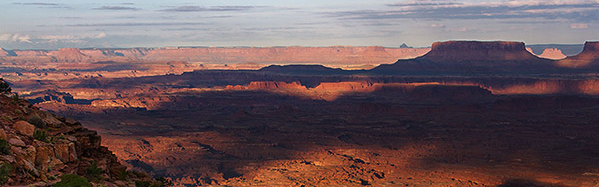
580, 11
204, 9
116, 8
579, 26
38, 4
15, 38
49, 41
140, 24
44, 5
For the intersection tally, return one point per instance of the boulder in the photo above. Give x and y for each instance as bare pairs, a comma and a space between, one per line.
30, 153
16, 142
50, 120
43, 155
65, 152
24, 128
2, 134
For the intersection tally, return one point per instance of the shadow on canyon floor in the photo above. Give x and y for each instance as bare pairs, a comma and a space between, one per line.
437, 135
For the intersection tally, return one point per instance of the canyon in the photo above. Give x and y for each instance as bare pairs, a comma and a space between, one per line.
461, 113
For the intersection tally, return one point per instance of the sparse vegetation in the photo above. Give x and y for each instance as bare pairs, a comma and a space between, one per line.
142, 183
164, 181
36, 121
5, 172
69, 180
160, 182
94, 173
15, 98
4, 87
4, 147
41, 136
123, 175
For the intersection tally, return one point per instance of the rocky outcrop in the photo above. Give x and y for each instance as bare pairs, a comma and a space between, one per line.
39, 153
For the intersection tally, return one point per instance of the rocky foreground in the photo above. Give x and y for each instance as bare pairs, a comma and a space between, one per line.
38, 148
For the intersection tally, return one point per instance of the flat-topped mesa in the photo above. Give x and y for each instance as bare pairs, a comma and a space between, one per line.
271, 85
477, 50
588, 57
590, 51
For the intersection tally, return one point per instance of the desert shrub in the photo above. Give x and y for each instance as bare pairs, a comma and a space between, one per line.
15, 98
5, 172
4, 147
36, 121
41, 136
69, 180
142, 183
162, 181
123, 174
4, 87
94, 173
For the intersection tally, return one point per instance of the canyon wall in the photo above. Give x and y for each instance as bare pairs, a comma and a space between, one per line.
294, 54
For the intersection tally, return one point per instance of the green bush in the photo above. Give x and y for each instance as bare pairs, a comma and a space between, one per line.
162, 181
4, 87
4, 147
5, 172
142, 183
15, 98
69, 180
41, 136
37, 121
123, 174
94, 173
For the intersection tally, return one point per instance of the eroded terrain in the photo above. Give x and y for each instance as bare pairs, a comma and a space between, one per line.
465, 123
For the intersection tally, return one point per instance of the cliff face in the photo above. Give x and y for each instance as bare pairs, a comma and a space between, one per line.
480, 51
587, 58
294, 54
37, 148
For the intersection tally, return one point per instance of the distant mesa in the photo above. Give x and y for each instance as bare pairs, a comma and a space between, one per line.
69, 55
303, 69
477, 50
552, 53
471, 57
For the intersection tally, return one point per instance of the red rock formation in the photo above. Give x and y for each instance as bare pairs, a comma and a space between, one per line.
588, 57
52, 146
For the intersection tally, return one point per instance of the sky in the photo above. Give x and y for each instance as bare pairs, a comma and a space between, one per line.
52, 24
